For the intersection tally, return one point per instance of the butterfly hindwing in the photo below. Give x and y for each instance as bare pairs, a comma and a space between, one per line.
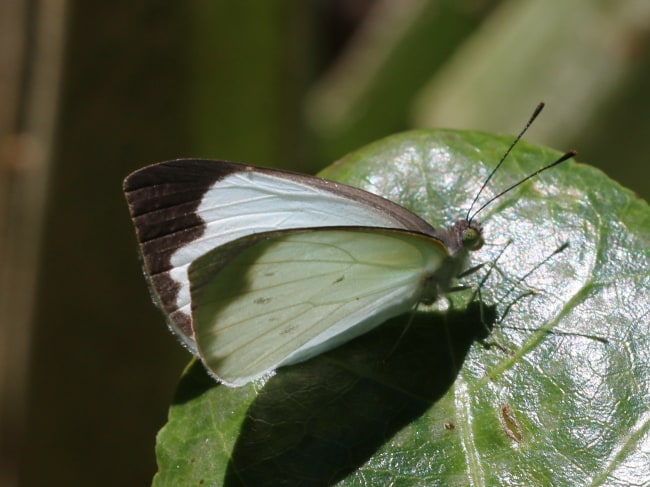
281, 297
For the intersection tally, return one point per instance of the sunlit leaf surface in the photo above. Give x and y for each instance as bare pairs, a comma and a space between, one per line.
545, 405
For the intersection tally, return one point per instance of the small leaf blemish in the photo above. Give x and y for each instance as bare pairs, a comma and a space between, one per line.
510, 425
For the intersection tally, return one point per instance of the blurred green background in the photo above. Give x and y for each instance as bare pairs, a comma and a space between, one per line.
93, 90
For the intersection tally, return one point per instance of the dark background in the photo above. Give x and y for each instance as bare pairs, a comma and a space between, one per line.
89, 367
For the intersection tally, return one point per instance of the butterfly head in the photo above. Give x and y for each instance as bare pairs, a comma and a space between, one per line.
471, 235
463, 236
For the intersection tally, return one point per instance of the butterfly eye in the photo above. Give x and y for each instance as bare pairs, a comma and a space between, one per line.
472, 239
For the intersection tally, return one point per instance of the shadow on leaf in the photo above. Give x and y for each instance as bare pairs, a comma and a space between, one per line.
314, 423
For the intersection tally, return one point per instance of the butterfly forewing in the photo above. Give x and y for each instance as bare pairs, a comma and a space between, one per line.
281, 297
183, 209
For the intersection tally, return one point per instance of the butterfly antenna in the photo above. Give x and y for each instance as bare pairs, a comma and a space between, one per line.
565, 157
537, 111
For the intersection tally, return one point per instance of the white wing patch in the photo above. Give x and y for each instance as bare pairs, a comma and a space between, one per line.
248, 202
287, 297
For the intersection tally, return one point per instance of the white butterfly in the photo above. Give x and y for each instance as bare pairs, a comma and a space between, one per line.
258, 268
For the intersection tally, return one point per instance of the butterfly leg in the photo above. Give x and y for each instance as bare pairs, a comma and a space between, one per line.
471, 270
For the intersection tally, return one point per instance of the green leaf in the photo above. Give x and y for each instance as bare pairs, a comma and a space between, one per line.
540, 408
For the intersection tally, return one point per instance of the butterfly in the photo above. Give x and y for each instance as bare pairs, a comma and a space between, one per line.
257, 268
